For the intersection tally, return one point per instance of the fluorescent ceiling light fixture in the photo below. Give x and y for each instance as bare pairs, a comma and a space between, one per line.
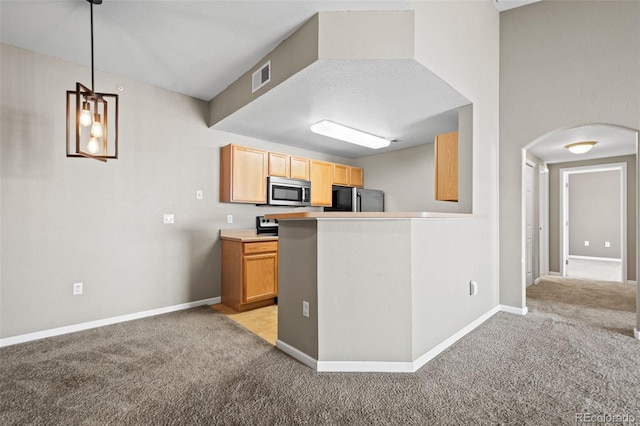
347, 134
580, 147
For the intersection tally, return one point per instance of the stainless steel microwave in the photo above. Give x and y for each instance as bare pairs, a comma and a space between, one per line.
288, 192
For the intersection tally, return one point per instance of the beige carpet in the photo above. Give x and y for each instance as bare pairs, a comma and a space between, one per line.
603, 304
197, 367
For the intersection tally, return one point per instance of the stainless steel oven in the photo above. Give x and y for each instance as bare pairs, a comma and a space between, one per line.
288, 192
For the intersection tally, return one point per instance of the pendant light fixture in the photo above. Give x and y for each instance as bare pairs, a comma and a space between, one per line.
92, 117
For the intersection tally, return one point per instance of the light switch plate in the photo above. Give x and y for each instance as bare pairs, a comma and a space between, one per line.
199, 195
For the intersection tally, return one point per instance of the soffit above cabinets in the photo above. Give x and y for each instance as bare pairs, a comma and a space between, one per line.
353, 68
503, 5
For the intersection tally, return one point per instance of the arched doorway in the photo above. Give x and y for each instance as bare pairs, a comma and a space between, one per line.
545, 252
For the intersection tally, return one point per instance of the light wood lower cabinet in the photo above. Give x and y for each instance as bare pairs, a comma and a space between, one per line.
249, 274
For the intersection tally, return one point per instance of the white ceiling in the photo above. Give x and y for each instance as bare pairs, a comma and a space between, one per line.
198, 48
395, 99
610, 142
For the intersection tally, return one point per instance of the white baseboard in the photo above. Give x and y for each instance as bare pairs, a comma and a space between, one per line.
555, 274
297, 354
636, 333
8, 341
606, 259
514, 310
366, 367
632, 282
423, 359
383, 366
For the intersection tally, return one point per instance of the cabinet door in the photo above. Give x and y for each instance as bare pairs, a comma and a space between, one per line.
341, 174
278, 165
299, 168
446, 165
356, 177
260, 276
248, 175
321, 181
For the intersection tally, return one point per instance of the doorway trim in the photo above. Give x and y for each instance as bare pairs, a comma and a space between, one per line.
564, 211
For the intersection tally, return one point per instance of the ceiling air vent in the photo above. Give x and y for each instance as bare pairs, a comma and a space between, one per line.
261, 77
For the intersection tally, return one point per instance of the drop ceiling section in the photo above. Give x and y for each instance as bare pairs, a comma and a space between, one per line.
362, 78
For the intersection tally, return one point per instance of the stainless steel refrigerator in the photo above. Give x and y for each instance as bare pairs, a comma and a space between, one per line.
356, 200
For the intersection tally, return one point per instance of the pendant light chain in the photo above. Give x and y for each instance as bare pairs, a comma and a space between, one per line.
93, 88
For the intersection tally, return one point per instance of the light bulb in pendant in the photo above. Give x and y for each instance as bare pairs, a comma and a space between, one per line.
93, 146
96, 127
85, 115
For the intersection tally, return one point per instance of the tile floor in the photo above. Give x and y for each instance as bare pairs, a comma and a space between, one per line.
262, 321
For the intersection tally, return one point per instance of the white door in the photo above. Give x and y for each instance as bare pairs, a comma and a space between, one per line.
529, 224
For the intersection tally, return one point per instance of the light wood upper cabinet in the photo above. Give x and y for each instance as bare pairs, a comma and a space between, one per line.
321, 174
244, 171
279, 165
299, 168
446, 166
348, 176
356, 177
243, 175
341, 174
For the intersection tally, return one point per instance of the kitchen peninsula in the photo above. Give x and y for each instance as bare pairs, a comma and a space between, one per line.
379, 291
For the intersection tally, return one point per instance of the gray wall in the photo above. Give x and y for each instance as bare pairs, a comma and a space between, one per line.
594, 214
66, 220
554, 209
51, 204
554, 74
407, 176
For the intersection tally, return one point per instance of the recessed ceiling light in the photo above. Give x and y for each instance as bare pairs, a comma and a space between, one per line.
347, 134
580, 147
120, 87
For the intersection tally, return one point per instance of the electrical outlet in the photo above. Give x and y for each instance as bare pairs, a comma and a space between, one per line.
168, 218
229, 218
607, 243
586, 243
305, 308
77, 289
199, 195
473, 288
